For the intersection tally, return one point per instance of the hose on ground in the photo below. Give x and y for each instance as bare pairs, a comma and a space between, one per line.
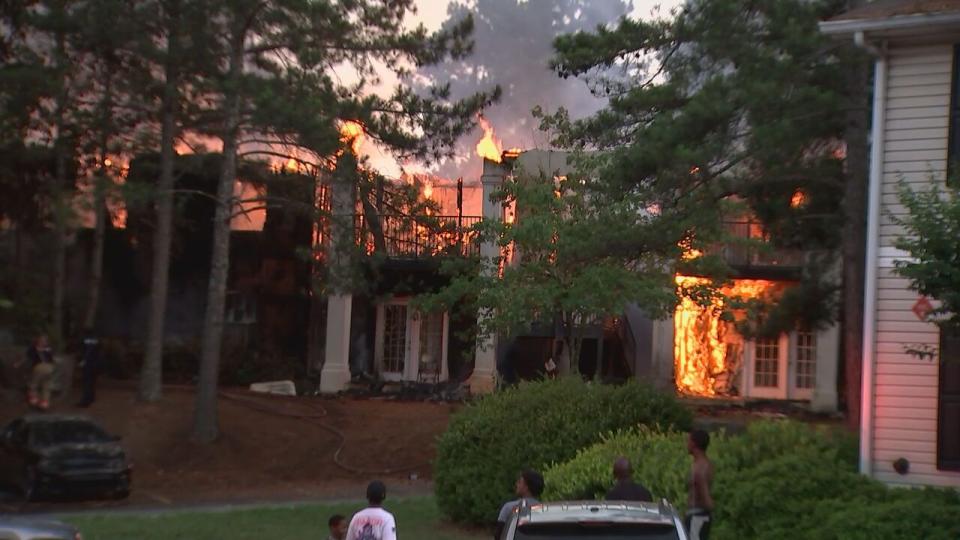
315, 419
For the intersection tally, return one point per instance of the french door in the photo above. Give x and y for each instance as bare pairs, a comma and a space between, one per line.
410, 345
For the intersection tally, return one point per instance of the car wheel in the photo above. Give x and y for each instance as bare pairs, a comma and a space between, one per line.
30, 487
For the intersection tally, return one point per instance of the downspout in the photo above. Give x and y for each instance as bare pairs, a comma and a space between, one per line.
873, 248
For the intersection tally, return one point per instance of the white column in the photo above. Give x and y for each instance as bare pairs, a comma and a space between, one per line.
485, 360
335, 374
824, 397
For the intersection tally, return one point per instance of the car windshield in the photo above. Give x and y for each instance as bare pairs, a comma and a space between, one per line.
69, 432
592, 531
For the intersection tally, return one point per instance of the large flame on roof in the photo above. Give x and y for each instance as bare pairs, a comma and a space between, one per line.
489, 146
708, 351
352, 133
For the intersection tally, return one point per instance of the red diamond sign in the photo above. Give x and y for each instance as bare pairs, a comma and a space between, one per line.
922, 308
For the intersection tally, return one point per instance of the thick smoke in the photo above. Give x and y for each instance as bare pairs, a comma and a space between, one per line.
512, 47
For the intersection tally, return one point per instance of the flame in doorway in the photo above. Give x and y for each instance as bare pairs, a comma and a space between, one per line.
708, 351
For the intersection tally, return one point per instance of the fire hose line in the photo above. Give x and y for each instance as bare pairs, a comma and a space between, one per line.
314, 419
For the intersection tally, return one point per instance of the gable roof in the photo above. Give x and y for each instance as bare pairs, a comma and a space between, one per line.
898, 16
883, 9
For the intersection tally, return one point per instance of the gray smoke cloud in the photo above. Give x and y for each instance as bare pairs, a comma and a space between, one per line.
512, 47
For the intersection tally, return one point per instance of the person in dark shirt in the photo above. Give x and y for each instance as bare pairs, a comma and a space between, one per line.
625, 489
90, 364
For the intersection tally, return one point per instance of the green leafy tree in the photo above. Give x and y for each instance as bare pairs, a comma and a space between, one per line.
932, 240
729, 102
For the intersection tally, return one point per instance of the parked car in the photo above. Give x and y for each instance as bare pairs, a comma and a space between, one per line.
43, 454
592, 520
25, 528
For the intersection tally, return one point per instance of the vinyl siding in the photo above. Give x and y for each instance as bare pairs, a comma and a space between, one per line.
905, 386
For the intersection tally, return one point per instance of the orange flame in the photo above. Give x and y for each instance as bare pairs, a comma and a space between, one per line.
798, 199
489, 146
708, 351
352, 133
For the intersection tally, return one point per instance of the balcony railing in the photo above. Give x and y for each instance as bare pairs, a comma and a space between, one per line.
753, 254
417, 237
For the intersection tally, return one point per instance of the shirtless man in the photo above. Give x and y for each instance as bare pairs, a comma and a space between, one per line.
699, 500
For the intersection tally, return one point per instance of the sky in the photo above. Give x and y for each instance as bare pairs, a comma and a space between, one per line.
512, 49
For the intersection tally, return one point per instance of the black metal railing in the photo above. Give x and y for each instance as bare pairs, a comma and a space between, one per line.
416, 237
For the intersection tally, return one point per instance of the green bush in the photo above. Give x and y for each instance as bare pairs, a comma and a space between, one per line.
534, 424
780, 479
893, 514
659, 459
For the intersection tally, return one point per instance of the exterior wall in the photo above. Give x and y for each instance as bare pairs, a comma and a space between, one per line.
905, 386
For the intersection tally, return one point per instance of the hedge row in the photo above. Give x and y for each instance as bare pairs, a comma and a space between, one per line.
779, 480
534, 424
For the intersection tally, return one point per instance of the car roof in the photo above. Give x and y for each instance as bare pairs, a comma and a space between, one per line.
580, 511
39, 418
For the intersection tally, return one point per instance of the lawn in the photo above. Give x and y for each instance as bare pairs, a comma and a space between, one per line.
416, 518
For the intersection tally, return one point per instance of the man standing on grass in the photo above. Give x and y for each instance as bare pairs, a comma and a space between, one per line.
528, 488
699, 500
373, 522
626, 489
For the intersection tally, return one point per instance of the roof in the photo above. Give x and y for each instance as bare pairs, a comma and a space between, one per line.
34, 418
576, 512
900, 16
883, 9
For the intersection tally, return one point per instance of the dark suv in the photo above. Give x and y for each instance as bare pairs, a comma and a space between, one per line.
592, 520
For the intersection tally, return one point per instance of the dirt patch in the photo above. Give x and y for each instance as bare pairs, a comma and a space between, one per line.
270, 447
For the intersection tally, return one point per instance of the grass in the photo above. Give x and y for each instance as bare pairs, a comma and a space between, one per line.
416, 518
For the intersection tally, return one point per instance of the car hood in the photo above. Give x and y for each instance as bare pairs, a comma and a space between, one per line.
38, 525
88, 450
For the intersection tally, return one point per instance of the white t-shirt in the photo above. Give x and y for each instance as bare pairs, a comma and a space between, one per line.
372, 524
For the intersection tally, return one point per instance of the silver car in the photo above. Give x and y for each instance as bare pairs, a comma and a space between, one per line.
27, 528
595, 520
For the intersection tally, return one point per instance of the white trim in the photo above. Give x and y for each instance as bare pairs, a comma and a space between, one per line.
872, 266
921, 21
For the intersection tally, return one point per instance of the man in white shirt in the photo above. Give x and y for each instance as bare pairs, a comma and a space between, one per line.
373, 522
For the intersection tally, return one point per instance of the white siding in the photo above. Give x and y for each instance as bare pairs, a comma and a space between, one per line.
905, 386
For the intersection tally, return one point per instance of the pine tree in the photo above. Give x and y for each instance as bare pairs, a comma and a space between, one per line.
274, 84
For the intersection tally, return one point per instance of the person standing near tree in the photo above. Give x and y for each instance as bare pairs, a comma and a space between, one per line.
699, 499
90, 364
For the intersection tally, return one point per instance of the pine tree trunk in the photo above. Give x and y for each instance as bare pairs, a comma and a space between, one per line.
59, 245
96, 262
151, 374
205, 425
61, 208
99, 208
854, 237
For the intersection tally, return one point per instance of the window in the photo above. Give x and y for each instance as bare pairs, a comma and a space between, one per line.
767, 362
948, 417
806, 360
953, 147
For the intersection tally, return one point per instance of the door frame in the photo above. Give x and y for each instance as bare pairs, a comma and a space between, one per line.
411, 359
769, 392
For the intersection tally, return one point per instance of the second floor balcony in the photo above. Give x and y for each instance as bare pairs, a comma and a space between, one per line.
416, 237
